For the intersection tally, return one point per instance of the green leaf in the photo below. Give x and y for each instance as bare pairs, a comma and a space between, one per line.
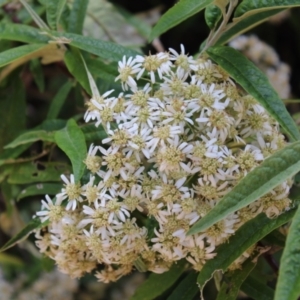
275, 169
11, 55
181, 11
35, 17
238, 27
52, 125
275, 238
22, 33
26, 173
30, 137
54, 9
22, 235
255, 83
288, 284
106, 50
231, 286
93, 134
247, 235
187, 289
59, 100
156, 284
40, 189
71, 141
75, 66
99, 68
12, 107
38, 75
256, 289
213, 15
77, 16
250, 7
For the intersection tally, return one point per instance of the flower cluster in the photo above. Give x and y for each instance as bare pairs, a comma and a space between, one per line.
267, 60
179, 137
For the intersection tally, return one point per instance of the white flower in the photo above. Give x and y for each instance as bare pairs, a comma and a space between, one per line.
54, 211
128, 70
159, 63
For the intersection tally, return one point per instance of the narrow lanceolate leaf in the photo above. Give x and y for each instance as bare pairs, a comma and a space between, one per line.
35, 17
71, 141
156, 284
247, 235
8, 56
237, 27
40, 189
255, 83
77, 16
250, 7
75, 66
274, 170
22, 33
177, 14
22, 235
288, 284
30, 137
187, 289
59, 100
256, 289
54, 9
231, 286
106, 50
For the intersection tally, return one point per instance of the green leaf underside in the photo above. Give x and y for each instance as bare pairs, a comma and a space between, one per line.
288, 284
177, 14
247, 235
77, 16
32, 225
40, 189
11, 55
246, 24
274, 170
71, 140
75, 66
22, 33
230, 288
59, 100
106, 50
257, 290
30, 137
249, 7
255, 83
187, 289
156, 284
